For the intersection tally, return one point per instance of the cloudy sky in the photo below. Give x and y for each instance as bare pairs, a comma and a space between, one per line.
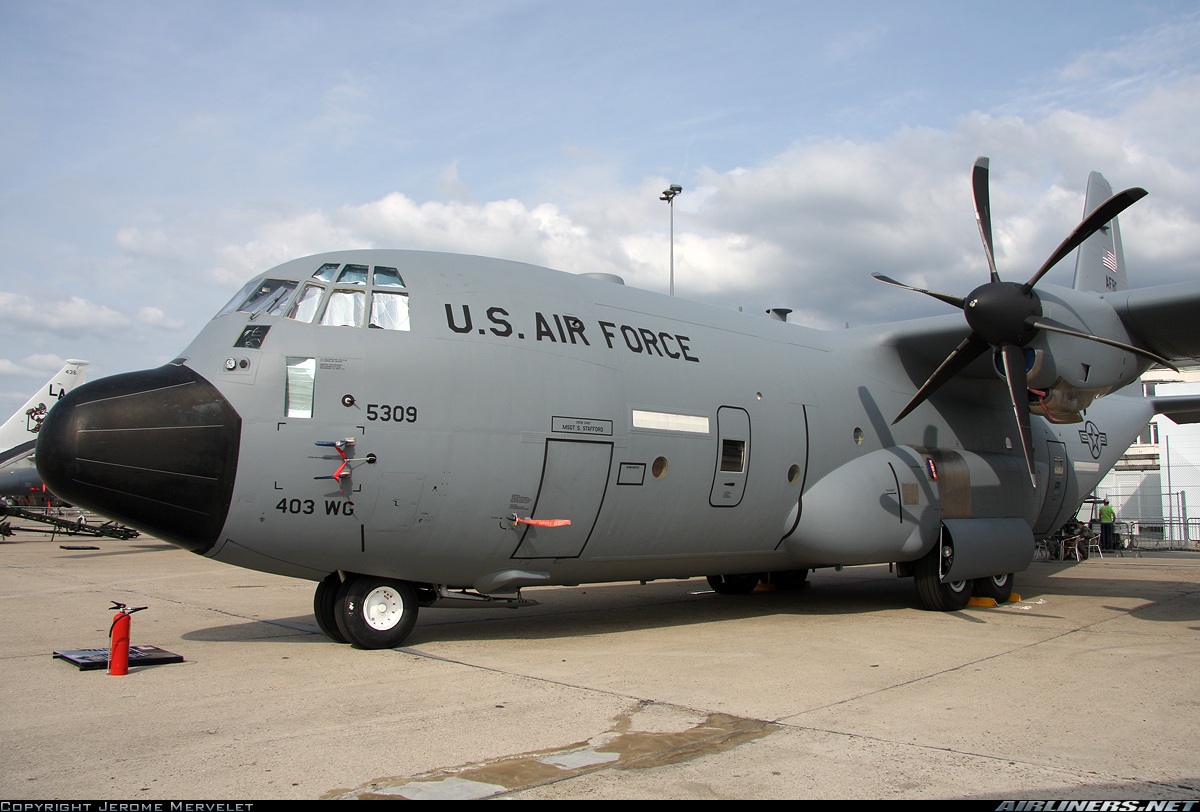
154, 156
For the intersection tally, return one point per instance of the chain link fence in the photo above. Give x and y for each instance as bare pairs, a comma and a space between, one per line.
1157, 499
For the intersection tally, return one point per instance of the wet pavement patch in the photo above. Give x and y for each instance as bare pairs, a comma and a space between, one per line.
649, 735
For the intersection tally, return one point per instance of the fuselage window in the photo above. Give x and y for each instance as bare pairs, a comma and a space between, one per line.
389, 311
344, 309
269, 298
301, 383
733, 455
388, 277
326, 272
353, 275
305, 308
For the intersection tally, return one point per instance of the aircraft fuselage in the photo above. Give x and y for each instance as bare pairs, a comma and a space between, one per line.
676, 438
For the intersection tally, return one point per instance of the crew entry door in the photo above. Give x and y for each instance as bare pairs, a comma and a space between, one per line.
733, 457
574, 479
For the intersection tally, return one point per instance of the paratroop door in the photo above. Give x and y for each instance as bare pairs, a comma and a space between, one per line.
574, 479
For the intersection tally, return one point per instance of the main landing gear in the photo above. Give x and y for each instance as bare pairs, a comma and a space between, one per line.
743, 584
999, 588
366, 610
928, 572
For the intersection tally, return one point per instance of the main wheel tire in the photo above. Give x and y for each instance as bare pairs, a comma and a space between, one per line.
375, 612
325, 607
999, 587
785, 580
933, 594
734, 584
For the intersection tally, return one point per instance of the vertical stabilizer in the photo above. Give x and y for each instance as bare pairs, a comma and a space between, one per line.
19, 433
1100, 261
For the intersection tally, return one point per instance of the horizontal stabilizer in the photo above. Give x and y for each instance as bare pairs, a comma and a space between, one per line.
1180, 408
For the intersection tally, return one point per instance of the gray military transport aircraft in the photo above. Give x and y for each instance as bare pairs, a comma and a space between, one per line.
408, 428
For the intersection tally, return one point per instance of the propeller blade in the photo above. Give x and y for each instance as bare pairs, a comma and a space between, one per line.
1052, 326
971, 348
1105, 212
983, 211
1018, 392
956, 301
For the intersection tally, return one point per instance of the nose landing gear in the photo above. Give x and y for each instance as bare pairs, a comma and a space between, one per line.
368, 611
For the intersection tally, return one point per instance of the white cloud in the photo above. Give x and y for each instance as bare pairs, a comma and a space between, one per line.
147, 243
278, 240
40, 365
806, 228
71, 317
1137, 59
451, 187
154, 317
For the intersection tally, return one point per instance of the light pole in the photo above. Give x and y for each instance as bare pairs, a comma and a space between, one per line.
669, 196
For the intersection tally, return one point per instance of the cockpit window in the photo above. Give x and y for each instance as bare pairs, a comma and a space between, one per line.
389, 311
238, 298
344, 309
346, 305
269, 297
305, 307
353, 275
388, 277
326, 272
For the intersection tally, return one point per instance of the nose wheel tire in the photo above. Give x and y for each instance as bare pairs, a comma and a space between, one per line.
376, 612
933, 594
325, 607
999, 587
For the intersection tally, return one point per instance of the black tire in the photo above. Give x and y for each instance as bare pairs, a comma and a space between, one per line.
376, 612
999, 588
933, 594
734, 584
325, 607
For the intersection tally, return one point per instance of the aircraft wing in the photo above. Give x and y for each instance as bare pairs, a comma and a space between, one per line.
926, 342
1162, 319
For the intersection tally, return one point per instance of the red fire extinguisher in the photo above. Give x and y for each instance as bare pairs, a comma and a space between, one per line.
118, 634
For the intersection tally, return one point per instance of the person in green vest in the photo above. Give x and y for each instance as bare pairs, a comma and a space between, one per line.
1107, 517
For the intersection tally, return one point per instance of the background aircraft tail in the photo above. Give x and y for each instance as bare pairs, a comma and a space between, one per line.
19, 433
1100, 261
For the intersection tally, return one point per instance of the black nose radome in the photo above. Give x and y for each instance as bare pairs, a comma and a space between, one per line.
156, 450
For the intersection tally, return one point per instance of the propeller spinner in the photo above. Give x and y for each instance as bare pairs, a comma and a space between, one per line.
1005, 316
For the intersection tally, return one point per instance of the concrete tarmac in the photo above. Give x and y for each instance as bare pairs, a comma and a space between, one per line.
1085, 689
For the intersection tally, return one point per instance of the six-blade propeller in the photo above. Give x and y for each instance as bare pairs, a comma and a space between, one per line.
1005, 316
